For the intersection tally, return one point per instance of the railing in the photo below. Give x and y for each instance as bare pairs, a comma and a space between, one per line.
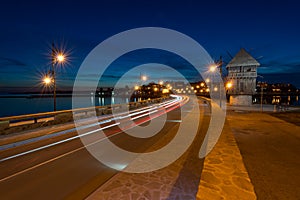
242, 74
30, 121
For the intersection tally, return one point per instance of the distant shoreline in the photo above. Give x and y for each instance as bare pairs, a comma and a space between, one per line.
48, 96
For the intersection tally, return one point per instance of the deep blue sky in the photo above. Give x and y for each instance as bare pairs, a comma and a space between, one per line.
269, 31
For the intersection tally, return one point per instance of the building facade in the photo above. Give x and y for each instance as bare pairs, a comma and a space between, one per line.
242, 74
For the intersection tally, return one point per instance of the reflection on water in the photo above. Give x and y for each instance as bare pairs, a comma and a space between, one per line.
20, 105
288, 100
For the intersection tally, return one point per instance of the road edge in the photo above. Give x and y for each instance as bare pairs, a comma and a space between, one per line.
224, 174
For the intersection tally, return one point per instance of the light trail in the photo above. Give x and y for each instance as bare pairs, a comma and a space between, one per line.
143, 115
80, 148
107, 120
56, 143
147, 111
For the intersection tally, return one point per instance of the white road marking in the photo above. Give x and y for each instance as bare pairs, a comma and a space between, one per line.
56, 143
75, 150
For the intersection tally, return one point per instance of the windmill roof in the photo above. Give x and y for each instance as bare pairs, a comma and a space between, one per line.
242, 58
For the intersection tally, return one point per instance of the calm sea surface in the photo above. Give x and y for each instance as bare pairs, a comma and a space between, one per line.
22, 105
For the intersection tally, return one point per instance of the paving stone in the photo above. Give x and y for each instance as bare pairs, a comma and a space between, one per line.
242, 183
224, 175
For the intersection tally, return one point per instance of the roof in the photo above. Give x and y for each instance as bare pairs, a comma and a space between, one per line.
242, 58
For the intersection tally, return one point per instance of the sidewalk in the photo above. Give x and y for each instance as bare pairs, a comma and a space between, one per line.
270, 150
257, 156
257, 108
179, 180
222, 173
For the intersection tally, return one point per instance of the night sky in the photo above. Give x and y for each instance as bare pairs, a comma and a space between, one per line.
270, 32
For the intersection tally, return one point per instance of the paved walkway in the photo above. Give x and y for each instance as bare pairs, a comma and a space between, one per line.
180, 180
271, 153
258, 108
223, 177
266, 158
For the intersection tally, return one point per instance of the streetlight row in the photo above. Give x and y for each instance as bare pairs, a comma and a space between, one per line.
50, 78
60, 57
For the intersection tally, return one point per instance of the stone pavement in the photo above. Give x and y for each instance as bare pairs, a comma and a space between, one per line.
257, 108
180, 180
223, 176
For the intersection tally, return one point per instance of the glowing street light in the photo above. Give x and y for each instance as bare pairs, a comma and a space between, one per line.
164, 91
136, 87
212, 68
58, 57
144, 78
229, 85
47, 80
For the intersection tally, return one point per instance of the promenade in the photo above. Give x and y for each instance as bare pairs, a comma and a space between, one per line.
256, 157
270, 150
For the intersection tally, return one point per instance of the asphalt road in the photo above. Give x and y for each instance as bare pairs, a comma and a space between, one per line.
67, 170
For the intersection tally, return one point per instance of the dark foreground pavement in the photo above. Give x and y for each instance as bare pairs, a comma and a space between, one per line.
257, 156
270, 148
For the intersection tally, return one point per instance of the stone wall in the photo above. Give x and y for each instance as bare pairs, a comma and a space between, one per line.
240, 100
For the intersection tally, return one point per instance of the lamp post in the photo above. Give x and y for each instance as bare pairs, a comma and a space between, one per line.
261, 96
56, 58
213, 69
47, 80
261, 93
228, 87
144, 78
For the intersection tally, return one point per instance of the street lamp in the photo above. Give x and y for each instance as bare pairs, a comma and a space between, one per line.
212, 68
228, 85
60, 58
261, 93
144, 78
47, 80
57, 58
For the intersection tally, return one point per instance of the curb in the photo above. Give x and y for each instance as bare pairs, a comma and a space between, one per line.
224, 175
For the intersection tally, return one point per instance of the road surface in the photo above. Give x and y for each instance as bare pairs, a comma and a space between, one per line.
60, 167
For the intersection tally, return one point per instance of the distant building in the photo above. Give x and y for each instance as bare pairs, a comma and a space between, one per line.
276, 93
242, 73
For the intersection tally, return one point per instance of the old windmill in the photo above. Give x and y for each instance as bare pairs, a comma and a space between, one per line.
242, 74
